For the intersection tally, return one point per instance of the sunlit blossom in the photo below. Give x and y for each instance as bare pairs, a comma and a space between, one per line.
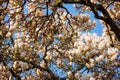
9, 34
42, 40
69, 74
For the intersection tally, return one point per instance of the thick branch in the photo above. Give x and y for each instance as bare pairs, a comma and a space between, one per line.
14, 74
54, 77
98, 7
109, 21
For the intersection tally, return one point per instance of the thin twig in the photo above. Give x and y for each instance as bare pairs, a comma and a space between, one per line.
110, 36
47, 9
110, 4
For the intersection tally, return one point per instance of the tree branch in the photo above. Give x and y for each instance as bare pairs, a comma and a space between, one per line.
95, 8
14, 74
54, 77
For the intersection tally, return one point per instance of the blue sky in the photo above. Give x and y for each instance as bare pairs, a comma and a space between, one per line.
98, 28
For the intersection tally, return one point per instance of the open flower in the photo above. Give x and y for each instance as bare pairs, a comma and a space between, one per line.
31, 7
9, 34
69, 74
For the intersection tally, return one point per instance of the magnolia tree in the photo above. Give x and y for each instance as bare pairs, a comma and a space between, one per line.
42, 40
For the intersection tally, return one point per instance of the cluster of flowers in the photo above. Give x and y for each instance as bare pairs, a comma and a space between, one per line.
94, 48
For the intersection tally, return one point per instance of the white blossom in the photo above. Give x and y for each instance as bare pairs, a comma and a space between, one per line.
112, 51
20, 44
91, 78
38, 72
87, 65
43, 64
101, 45
18, 16
31, 7
48, 57
59, 63
114, 57
0, 33
93, 1
15, 65
9, 34
69, 74
91, 60
1, 67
